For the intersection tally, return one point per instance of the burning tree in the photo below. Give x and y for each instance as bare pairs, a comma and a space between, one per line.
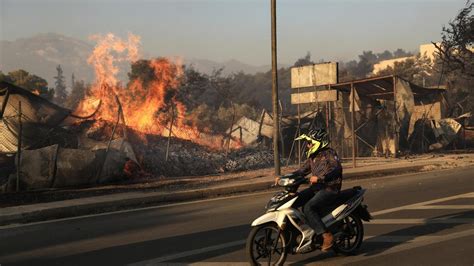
150, 102
31, 82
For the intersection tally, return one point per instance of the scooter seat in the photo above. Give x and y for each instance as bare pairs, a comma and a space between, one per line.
342, 198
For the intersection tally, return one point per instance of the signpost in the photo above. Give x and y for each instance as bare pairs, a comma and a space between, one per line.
314, 75
276, 120
314, 97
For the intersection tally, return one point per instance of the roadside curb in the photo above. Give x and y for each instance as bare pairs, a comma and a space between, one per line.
84, 206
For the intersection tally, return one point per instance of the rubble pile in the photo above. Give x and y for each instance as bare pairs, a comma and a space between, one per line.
185, 158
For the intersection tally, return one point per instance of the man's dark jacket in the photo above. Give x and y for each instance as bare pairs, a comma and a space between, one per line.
326, 165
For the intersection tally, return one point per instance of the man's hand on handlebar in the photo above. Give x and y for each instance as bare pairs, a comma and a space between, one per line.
313, 179
276, 181
283, 176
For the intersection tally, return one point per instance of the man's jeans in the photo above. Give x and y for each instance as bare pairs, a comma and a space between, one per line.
320, 199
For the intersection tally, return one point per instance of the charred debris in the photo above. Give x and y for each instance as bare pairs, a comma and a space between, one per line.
59, 149
43, 145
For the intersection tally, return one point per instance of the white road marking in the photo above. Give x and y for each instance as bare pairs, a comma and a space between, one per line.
466, 195
469, 195
424, 221
442, 207
408, 239
207, 263
410, 242
135, 210
240, 242
411, 239
420, 242
411, 206
369, 239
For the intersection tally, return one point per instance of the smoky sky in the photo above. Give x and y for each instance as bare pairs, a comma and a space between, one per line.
240, 29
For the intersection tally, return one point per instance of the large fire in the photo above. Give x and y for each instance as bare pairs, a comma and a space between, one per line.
149, 106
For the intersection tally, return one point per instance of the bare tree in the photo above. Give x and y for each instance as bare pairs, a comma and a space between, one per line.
456, 49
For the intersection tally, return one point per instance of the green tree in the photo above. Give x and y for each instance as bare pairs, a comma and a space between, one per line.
206, 118
306, 60
33, 83
4, 77
202, 118
401, 53
418, 70
141, 70
197, 88
60, 89
73, 80
384, 56
78, 92
366, 64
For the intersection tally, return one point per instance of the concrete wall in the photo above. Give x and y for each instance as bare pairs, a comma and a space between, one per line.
388, 63
428, 50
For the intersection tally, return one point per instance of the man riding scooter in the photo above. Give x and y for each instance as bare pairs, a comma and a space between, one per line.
325, 168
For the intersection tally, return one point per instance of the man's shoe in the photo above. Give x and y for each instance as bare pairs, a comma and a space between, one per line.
327, 242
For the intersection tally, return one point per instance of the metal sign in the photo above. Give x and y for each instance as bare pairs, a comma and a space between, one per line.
314, 75
314, 97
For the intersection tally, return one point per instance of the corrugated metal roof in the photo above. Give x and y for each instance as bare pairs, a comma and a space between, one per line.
381, 87
39, 116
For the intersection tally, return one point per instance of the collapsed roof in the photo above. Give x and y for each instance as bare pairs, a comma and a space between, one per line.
39, 117
381, 88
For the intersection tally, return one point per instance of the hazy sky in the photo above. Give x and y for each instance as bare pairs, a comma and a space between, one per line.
229, 29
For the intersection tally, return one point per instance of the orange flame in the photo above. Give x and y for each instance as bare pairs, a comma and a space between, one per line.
147, 106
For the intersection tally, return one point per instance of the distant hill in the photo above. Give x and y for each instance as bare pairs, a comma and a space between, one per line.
230, 66
41, 54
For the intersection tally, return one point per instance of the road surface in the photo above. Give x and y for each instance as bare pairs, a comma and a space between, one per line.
421, 219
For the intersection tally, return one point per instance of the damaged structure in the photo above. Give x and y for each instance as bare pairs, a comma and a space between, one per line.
44, 146
38, 151
382, 116
250, 132
378, 116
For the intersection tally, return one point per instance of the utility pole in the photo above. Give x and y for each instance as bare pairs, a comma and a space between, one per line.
18, 154
353, 135
276, 120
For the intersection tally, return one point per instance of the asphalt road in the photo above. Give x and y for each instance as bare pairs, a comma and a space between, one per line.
421, 219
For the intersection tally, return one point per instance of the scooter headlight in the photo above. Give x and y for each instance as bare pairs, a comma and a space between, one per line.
283, 182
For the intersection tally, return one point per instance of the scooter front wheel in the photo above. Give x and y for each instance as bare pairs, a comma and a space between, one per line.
266, 245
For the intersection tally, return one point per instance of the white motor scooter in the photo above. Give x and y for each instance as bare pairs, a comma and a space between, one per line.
282, 229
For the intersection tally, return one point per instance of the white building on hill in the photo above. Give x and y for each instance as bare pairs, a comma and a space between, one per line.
428, 50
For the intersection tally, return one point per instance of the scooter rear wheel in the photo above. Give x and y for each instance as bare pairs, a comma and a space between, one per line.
266, 245
352, 235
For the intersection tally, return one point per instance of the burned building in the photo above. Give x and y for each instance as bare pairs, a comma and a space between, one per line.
380, 114
376, 116
46, 146
39, 150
